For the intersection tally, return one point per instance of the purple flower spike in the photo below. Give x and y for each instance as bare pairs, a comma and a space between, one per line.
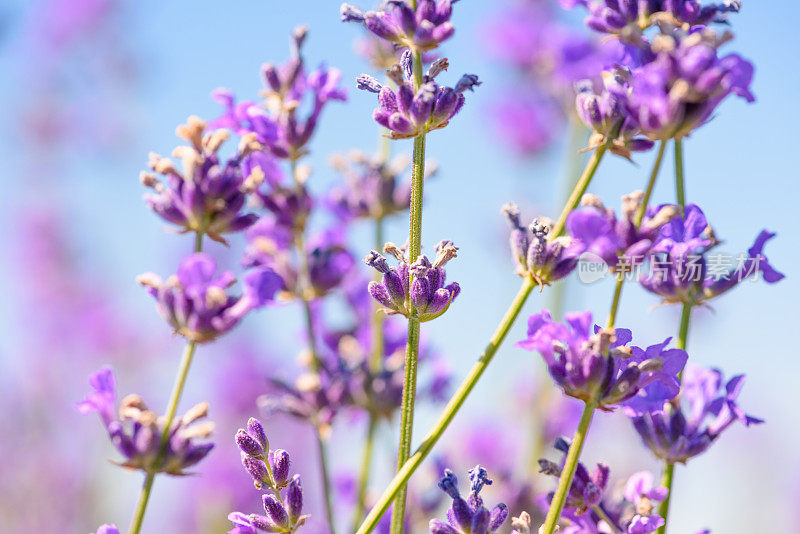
619, 242
607, 115
587, 488
408, 112
397, 22
277, 125
595, 365
373, 188
283, 512
137, 432
207, 196
107, 529
706, 408
535, 255
195, 301
681, 88
424, 296
468, 516
684, 269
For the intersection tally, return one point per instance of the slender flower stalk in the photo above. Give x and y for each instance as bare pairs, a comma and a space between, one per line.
668, 474
412, 347
680, 190
568, 472
172, 408
455, 403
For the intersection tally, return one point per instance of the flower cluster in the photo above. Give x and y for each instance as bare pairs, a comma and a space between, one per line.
288, 88
586, 490
598, 367
137, 433
537, 255
686, 428
618, 241
469, 516
423, 27
373, 188
414, 289
684, 270
412, 110
195, 301
207, 196
283, 506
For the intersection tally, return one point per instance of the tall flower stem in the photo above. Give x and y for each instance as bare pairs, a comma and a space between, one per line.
172, 408
668, 474
366, 464
680, 189
455, 403
412, 347
648, 192
568, 471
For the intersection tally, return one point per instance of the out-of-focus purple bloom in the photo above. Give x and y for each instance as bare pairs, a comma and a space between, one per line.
423, 28
284, 504
315, 398
527, 120
629, 18
685, 270
207, 196
424, 296
619, 242
468, 516
195, 301
107, 529
641, 491
327, 258
685, 429
137, 433
595, 367
535, 255
607, 115
409, 112
289, 89
373, 188
587, 488
681, 88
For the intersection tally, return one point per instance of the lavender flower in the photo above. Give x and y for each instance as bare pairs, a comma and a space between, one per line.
468, 516
276, 124
606, 114
407, 112
107, 529
587, 488
681, 88
535, 255
599, 367
137, 433
631, 17
284, 505
373, 188
207, 197
685, 429
640, 490
195, 302
620, 242
424, 296
684, 270
329, 262
423, 28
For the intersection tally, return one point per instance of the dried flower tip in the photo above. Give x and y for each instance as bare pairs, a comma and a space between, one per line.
192, 131
365, 82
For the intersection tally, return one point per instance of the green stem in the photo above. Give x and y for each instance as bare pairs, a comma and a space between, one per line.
650, 184
605, 517
680, 189
568, 472
455, 403
376, 362
363, 479
326, 484
669, 468
580, 188
172, 407
612, 314
412, 347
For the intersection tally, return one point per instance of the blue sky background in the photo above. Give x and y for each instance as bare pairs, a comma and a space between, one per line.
741, 168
